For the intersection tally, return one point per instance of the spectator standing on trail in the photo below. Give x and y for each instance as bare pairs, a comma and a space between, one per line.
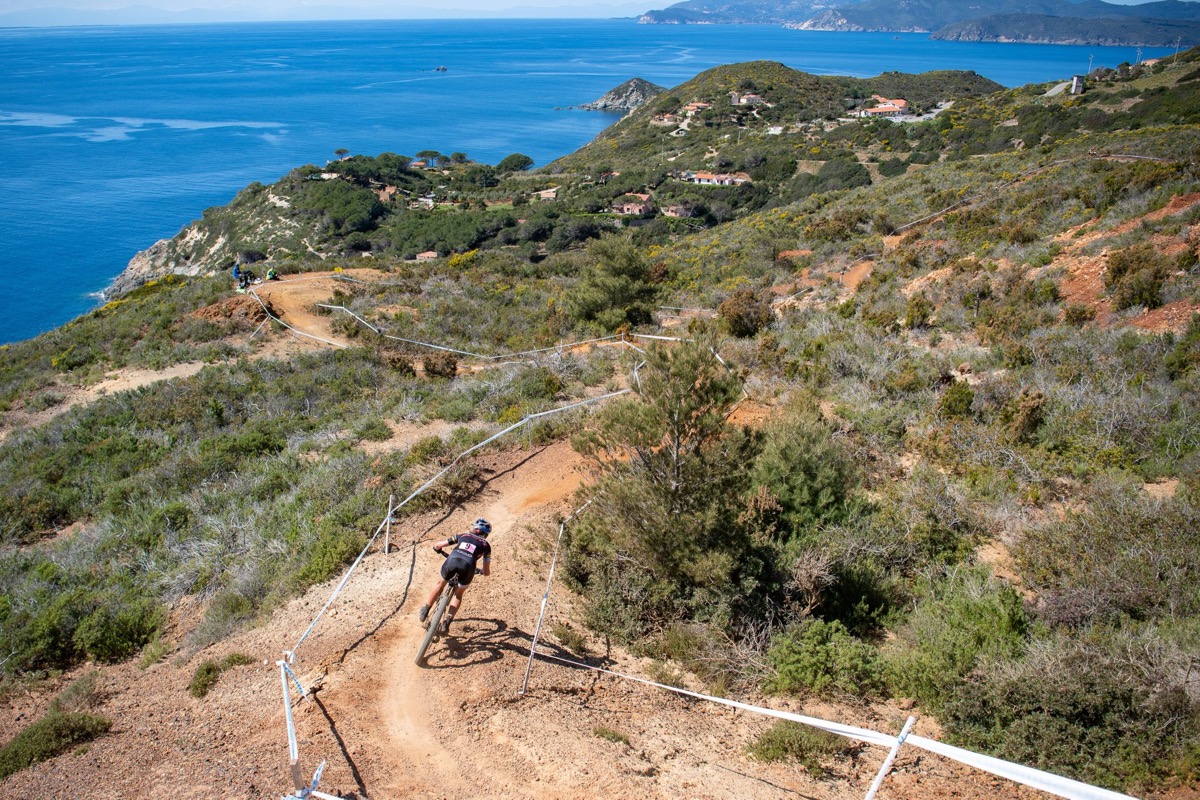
469, 549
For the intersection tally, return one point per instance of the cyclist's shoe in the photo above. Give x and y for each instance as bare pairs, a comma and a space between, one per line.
422, 613
445, 626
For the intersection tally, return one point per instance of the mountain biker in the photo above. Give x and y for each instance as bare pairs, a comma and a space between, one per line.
469, 549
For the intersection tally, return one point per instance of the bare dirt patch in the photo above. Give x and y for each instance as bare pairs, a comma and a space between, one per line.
245, 312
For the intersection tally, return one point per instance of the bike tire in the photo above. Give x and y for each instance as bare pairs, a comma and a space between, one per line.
435, 621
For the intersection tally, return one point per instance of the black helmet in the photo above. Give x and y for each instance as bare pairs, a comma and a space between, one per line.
482, 527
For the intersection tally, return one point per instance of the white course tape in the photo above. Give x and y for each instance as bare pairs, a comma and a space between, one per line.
849, 731
1045, 781
535, 351
296, 331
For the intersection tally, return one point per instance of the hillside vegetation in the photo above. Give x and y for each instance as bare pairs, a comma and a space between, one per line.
976, 483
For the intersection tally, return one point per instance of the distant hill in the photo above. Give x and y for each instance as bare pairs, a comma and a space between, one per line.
1088, 22
932, 15
1041, 29
699, 12
785, 98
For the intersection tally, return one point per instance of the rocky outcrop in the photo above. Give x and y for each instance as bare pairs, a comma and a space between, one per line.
259, 224
630, 95
161, 258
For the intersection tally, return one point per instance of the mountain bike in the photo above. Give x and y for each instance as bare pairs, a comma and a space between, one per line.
433, 623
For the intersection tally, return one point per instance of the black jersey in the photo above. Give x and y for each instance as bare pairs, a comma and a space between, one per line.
470, 547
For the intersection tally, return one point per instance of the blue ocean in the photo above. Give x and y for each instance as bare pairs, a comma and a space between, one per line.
114, 137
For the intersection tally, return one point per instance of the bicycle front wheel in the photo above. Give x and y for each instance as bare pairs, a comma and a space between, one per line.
435, 622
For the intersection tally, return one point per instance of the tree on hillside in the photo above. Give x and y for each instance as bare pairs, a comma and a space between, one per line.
663, 538
616, 290
517, 162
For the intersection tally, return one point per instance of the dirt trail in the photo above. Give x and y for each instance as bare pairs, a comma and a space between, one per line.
457, 727
295, 297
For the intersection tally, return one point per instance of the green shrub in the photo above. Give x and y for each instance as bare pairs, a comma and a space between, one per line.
118, 630
1124, 553
809, 473
374, 430
1185, 354
333, 549
824, 658
966, 617
917, 312
52, 735
956, 401
1136, 275
1107, 709
1078, 315
792, 741
204, 678
206, 675
745, 313
611, 735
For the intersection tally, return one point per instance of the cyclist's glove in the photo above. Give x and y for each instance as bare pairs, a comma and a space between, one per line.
478, 571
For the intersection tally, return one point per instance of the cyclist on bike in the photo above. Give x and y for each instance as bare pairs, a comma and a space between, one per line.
469, 549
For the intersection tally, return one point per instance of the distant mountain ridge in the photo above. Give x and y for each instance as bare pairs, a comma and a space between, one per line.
932, 15
1040, 29
699, 12
1160, 23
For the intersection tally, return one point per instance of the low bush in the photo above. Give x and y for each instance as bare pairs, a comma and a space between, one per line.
956, 401
791, 741
52, 735
1111, 708
964, 618
745, 313
441, 364
611, 735
374, 430
1136, 275
824, 658
206, 675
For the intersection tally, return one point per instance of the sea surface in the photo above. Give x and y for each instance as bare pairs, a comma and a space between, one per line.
114, 137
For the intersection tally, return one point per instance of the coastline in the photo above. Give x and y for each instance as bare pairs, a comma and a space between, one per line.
141, 181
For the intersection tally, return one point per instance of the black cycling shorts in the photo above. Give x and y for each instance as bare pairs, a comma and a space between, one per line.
464, 568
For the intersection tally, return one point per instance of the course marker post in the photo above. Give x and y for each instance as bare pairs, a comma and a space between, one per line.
293, 748
387, 535
891, 759
546, 596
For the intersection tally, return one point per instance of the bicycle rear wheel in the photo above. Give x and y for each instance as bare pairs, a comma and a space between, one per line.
435, 622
